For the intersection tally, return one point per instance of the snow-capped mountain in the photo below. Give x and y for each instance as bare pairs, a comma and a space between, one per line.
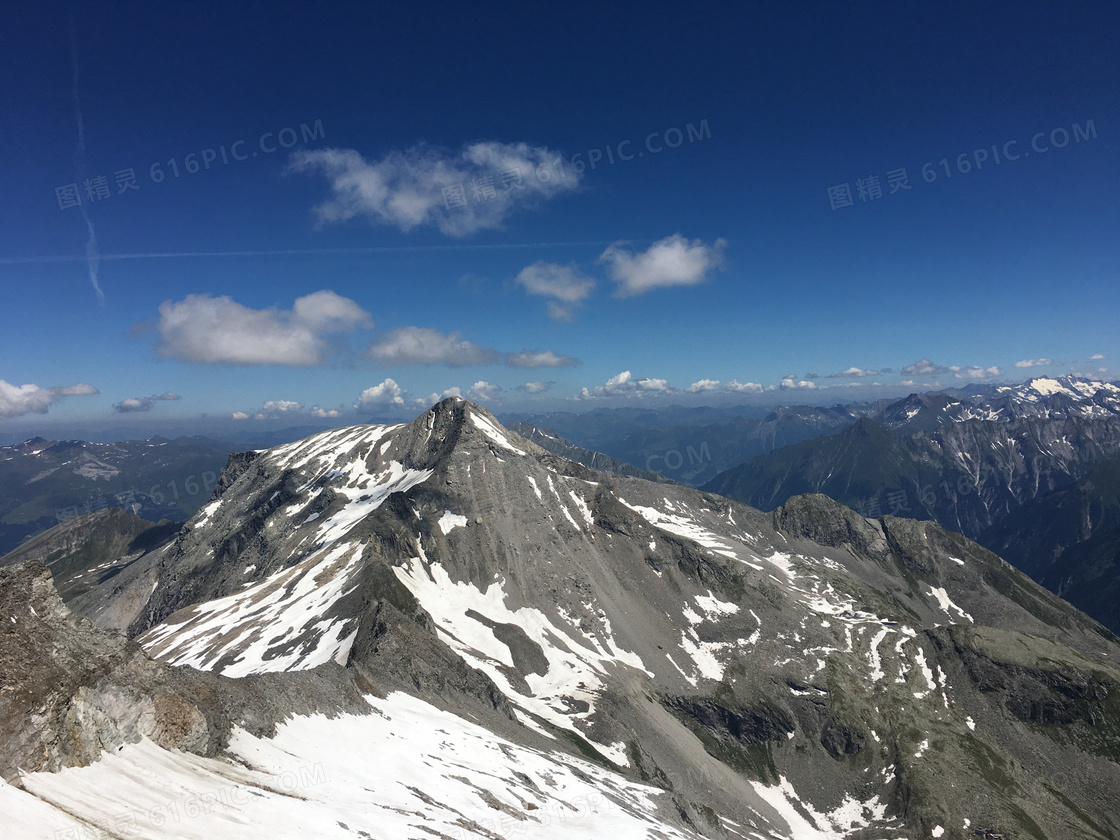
454, 632
1042, 397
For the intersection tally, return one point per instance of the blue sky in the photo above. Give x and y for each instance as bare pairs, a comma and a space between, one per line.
398, 202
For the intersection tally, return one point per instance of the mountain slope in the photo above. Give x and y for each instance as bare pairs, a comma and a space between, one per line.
983, 468
804, 674
89, 550
1069, 540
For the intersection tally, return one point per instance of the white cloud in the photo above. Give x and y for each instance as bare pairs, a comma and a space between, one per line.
924, 367
483, 391
703, 385
535, 387
433, 398
276, 408
672, 261
270, 410
737, 387
143, 403
323, 413
790, 382
424, 346
419, 187
1096, 357
217, 330
850, 373
79, 390
541, 358
379, 396
562, 282
975, 371
16, 400
1029, 363
624, 385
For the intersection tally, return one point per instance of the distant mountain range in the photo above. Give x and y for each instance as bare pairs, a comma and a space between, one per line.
693, 446
44, 482
1027, 471
442, 629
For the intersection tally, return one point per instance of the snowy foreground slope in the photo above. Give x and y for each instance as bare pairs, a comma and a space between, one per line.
439, 629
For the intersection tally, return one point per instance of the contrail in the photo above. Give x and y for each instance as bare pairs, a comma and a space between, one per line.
93, 252
387, 249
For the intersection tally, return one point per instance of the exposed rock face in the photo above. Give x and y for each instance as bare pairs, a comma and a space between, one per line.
887, 676
71, 691
88, 550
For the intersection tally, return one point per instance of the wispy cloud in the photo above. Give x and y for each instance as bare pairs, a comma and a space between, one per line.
131, 404
564, 283
218, 330
924, 367
540, 358
1030, 363
850, 373
672, 261
16, 400
975, 371
424, 346
535, 387
477, 188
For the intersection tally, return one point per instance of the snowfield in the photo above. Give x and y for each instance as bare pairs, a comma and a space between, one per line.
407, 769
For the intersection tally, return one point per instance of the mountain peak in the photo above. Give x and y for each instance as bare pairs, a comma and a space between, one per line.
448, 425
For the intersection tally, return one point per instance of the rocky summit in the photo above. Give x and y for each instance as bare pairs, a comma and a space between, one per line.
440, 629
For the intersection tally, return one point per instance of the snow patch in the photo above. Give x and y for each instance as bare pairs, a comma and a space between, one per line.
494, 432
283, 623
451, 520
577, 661
947, 604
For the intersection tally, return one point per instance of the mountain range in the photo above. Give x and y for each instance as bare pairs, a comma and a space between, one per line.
1007, 469
442, 629
45, 482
